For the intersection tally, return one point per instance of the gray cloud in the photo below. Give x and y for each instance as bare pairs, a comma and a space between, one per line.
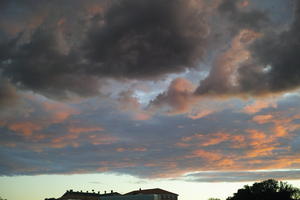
280, 53
271, 68
8, 94
164, 146
243, 176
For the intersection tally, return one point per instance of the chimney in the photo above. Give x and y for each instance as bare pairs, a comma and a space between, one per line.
111, 191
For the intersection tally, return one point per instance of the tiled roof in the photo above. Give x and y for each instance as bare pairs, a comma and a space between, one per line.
150, 191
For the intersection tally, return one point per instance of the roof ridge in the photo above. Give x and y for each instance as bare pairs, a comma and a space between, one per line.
150, 191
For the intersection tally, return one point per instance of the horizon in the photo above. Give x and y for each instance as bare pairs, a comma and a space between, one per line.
118, 183
197, 97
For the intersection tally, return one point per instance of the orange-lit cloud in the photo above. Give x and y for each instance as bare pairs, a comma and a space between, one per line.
77, 138
262, 119
58, 111
280, 131
258, 105
141, 116
84, 129
260, 152
207, 139
33, 119
27, 128
102, 139
138, 149
216, 139
257, 135
209, 156
243, 4
118, 164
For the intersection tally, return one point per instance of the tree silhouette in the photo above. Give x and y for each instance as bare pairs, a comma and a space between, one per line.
267, 190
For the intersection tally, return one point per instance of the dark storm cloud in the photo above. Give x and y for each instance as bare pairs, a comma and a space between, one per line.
6, 49
130, 39
146, 39
34, 50
52, 50
41, 66
241, 18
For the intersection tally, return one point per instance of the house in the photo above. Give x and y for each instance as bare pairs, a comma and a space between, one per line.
72, 195
149, 194
161, 194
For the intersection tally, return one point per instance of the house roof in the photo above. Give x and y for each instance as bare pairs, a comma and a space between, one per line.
85, 195
80, 195
110, 194
150, 191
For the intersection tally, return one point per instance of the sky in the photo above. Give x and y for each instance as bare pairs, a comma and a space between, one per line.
198, 97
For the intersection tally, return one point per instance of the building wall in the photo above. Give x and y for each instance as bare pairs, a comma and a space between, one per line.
141, 197
133, 197
167, 197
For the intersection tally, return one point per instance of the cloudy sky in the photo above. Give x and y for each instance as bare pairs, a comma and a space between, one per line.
121, 94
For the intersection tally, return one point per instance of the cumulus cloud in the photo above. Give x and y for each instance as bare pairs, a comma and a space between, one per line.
177, 99
223, 78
